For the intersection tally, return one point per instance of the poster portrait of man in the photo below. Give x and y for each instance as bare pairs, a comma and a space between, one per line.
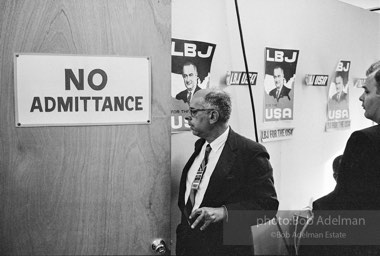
191, 65
280, 70
338, 113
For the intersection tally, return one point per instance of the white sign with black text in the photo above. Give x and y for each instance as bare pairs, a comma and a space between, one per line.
69, 90
276, 134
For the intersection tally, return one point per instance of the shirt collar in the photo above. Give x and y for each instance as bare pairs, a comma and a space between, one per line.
220, 141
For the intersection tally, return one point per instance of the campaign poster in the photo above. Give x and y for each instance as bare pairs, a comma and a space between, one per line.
276, 134
191, 65
241, 78
338, 114
280, 71
316, 80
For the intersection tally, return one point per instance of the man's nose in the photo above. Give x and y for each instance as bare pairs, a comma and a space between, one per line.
188, 118
361, 97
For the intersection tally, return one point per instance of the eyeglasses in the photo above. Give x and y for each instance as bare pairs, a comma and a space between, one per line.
194, 111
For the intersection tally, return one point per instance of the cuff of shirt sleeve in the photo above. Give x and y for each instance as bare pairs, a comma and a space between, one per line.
225, 213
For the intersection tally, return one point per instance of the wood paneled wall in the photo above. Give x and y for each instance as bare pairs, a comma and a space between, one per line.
91, 189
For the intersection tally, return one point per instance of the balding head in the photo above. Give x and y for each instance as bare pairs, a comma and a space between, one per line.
218, 100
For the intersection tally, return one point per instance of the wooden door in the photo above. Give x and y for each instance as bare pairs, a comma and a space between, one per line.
90, 190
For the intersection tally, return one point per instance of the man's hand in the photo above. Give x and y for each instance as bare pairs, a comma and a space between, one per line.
208, 215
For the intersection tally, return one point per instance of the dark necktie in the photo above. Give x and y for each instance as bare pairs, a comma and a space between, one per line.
196, 182
188, 97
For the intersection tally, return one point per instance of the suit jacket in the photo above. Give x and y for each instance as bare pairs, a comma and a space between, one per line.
358, 183
358, 188
242, 180
284, 92
325, 203
343, 97
183, 94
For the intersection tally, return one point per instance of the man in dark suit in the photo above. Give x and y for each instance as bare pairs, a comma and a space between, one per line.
227, 173
358, 183
280, 91
190, 79
322, 203
359, 173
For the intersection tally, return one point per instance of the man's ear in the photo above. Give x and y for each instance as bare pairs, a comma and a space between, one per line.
214, 116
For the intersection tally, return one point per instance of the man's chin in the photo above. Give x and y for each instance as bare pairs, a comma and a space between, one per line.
194, 132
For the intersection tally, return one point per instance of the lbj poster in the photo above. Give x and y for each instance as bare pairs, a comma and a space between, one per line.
280, 70
191, 64
338, 115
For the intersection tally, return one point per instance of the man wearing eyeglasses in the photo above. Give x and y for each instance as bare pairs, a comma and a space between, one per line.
227, 172
190, 79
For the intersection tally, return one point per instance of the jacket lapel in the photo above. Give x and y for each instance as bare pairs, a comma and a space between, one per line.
182, 188
222, 169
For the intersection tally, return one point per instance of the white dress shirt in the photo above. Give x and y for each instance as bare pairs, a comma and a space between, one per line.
216, 149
